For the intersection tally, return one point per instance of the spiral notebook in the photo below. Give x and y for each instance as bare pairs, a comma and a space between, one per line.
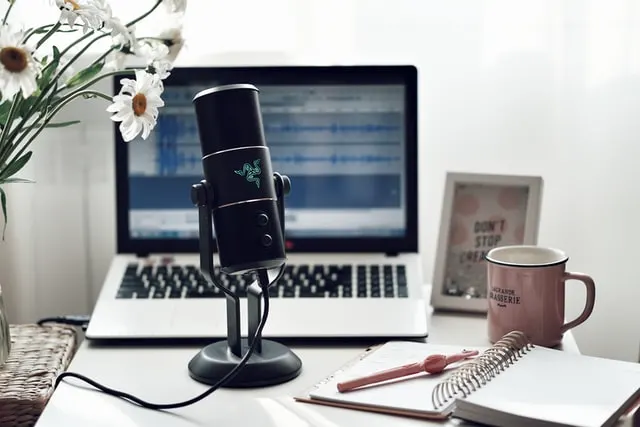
510, 383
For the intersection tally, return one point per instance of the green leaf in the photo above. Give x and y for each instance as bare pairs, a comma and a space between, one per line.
15, 166
18, 181
56, 54
48, 73
59, 124
63, 124
3, 203
4, 112
86, 74
26, 105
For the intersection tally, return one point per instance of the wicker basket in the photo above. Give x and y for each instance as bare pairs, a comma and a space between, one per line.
38, 355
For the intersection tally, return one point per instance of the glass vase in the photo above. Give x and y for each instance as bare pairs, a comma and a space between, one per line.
5, 333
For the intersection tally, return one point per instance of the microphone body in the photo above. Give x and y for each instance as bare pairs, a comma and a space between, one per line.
236, 164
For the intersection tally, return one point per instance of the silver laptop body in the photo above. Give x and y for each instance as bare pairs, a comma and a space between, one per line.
347, 138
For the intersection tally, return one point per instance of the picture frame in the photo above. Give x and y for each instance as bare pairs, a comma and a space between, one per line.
480, 212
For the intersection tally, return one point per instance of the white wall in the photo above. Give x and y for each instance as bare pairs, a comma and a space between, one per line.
546, 87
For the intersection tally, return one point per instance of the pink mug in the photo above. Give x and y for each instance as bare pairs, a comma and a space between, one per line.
526, 292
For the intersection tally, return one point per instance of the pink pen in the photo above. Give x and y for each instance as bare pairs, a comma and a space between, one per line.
433, 364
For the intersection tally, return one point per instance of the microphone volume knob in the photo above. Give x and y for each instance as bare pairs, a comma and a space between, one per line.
263, 219
267, 240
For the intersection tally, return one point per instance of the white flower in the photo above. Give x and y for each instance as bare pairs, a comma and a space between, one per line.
162, 68
124, 43
18, 69
136, 106
175, 6
172, 37
155, 55
123, 37
92, 13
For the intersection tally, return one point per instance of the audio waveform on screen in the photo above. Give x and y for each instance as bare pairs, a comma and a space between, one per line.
335, 159
170, 160
331, 128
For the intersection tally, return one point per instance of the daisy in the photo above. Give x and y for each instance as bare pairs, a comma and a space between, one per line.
124, 43
175, 6
92, 13
122, 37
136, 106
18, 69
172, 37
155, 56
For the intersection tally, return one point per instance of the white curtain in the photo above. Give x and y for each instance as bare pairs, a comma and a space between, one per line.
543, 87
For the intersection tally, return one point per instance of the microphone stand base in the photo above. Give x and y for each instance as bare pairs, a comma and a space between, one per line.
274, 364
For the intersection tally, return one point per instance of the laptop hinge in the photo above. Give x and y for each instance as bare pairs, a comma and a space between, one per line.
391, 254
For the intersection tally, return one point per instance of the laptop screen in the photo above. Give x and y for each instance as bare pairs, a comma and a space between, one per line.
342, 144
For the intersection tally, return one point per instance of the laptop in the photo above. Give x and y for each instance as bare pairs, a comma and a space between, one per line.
347, 138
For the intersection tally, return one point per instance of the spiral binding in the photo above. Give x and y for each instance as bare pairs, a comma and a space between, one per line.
474, 374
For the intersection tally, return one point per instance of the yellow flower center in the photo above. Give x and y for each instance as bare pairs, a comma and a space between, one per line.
75, 5
139, 104
13, 59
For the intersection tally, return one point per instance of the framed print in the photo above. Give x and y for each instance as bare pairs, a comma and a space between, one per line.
480, 212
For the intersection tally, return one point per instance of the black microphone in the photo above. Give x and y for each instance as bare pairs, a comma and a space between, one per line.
245, 198
237, 166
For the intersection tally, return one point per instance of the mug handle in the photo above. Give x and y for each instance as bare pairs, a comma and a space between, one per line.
591, 299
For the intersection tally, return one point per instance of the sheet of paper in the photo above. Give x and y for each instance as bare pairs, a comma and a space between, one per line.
560, 387
408, 393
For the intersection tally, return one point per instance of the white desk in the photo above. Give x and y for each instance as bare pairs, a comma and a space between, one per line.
159, 375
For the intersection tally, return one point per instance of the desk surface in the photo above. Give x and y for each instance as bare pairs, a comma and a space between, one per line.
159, 375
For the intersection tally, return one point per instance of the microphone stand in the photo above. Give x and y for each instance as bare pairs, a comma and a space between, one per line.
271, 363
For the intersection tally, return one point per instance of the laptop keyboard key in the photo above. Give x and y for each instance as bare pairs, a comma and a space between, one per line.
124, 294
141, 294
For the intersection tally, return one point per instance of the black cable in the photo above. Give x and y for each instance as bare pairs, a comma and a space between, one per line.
72, 320
162, 406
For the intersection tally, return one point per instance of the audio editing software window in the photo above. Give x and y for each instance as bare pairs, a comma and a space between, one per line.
342, 146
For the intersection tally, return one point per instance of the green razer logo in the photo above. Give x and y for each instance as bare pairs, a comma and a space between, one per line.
252, 173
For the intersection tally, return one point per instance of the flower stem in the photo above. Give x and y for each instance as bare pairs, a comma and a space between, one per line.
5, 145
33, 31
37, 103
90, 83
49, 33
144, 15
51, 116
101, 57
6, 15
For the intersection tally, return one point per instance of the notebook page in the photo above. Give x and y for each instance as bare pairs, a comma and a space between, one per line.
560, 387
411, 393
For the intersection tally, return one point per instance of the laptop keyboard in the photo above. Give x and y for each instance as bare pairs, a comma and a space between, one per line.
298, 281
